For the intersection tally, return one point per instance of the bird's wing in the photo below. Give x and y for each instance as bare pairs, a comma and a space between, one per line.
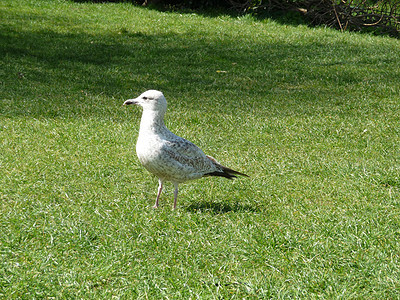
184, 147
188, 154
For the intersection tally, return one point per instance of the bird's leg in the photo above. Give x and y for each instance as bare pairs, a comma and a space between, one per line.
160, 186
175, 194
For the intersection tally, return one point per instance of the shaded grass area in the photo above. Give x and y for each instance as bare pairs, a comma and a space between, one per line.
310, 114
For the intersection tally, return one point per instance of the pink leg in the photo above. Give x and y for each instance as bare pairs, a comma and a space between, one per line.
175, 194
160, 186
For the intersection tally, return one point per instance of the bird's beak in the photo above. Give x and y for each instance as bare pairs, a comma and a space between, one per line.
130, 101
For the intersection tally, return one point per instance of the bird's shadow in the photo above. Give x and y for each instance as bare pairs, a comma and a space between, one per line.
220, 207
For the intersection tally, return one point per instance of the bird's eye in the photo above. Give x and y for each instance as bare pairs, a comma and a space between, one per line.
144, 98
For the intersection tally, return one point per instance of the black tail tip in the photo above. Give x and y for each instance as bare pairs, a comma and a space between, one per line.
226, 174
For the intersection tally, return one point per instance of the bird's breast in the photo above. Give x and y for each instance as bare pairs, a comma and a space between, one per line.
147, 149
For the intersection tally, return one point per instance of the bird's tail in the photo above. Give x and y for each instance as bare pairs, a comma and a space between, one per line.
223, 171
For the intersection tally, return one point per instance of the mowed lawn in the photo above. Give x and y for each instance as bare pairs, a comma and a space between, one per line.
311, 114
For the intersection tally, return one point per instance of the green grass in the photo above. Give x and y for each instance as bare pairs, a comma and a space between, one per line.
311, 114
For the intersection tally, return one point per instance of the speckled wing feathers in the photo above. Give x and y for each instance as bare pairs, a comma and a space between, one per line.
189, 160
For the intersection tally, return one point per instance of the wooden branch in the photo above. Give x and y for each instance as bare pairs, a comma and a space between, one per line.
337, 18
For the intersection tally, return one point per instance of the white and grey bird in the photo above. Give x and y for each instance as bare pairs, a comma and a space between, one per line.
166, 155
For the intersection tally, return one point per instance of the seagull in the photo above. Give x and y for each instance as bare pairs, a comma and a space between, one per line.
166, 155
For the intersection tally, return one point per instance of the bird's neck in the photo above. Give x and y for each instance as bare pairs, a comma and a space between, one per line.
152, 122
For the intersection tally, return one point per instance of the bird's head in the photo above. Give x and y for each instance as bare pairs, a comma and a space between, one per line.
150, 100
